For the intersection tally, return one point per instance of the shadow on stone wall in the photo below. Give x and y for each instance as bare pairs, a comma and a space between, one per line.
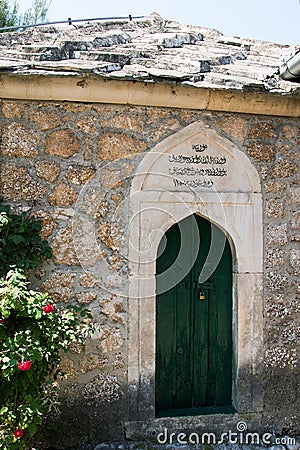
85, 420
89, 418
281, 389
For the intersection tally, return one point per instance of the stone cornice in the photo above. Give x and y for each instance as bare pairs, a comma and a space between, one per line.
100, 90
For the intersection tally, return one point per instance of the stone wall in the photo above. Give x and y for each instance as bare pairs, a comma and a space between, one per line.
66, 161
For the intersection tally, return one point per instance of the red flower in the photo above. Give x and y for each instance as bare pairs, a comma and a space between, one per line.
2, 320
48, 308
24, 365
18, 433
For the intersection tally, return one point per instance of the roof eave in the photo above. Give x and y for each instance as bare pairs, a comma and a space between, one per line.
89, 89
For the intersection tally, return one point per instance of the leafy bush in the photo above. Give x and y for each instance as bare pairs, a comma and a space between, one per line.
32, 333
20, 242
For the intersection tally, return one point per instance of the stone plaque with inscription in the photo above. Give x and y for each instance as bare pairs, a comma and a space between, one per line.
204, 161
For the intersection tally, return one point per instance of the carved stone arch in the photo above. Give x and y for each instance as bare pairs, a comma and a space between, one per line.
196, 170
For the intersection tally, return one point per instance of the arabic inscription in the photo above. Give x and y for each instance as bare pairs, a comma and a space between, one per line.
197, 170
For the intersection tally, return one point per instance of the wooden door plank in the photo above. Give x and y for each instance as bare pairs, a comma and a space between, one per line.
165, 351
200, 364
182, 394
223, 356
201, 324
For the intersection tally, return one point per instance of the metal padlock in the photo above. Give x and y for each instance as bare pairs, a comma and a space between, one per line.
202, 295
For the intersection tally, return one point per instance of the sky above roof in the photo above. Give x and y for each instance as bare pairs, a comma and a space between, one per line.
271, 20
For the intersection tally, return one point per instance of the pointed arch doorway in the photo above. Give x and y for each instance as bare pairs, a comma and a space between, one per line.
234, 204
193, 321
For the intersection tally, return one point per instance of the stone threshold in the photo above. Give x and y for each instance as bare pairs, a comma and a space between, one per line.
214, 423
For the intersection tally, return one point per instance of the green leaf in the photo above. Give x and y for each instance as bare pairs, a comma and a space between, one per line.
38, 314
3, 410
12, 362
32, 429
38, 420
16, 239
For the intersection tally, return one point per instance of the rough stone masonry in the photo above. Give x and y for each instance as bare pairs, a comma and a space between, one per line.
52, 150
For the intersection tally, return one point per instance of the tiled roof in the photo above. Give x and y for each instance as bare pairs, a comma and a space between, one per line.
150, 50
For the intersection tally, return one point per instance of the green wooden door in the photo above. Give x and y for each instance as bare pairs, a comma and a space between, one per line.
193, 336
